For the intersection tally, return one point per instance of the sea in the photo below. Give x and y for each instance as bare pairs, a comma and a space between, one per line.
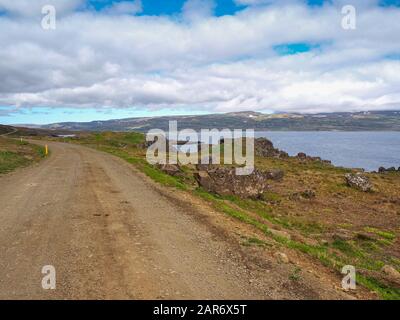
367, 150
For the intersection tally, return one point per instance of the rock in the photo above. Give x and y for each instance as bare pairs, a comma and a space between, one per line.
281, 257
365, 236
391, 274
275, 174
171, 169
302, 156
265, 148
358, 181
306, 194
224, 181
384, 170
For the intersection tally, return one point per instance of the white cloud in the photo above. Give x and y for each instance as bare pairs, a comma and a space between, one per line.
200, 61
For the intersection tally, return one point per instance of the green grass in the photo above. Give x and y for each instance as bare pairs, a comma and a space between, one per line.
256, 242
296, 274
384, 234
9, 161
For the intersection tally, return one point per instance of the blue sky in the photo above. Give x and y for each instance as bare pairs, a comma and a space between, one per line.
45, 115
195, 56
222, 7
171, 7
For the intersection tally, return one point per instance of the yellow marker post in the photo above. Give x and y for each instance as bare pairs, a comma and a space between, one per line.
46, 148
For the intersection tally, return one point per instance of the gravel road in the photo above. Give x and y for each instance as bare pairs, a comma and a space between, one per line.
110, 234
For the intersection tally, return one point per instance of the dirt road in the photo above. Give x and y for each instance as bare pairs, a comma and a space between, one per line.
110, 234
9, 133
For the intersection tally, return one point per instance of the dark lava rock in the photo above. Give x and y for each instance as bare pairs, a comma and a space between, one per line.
302, 156
384, 170
224, 181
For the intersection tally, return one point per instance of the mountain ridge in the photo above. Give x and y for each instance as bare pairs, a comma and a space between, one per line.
337, 121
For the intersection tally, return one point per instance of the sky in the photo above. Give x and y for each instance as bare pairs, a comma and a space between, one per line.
115, 59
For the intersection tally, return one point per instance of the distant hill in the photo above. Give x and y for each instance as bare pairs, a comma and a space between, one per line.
5, 129
16, 131
344, 121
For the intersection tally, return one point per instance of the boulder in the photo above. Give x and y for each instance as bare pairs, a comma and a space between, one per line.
281, 257
301, 156
275, 174
358, 181
224, 181
391, 274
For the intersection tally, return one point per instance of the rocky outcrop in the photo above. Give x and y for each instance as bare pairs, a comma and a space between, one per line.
303, 157
358, 181
224, 181
388, 170
265, 148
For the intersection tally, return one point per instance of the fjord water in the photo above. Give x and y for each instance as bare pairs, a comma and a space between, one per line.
368, 150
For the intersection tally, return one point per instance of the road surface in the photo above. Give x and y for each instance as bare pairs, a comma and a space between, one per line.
110, 234
9, 133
